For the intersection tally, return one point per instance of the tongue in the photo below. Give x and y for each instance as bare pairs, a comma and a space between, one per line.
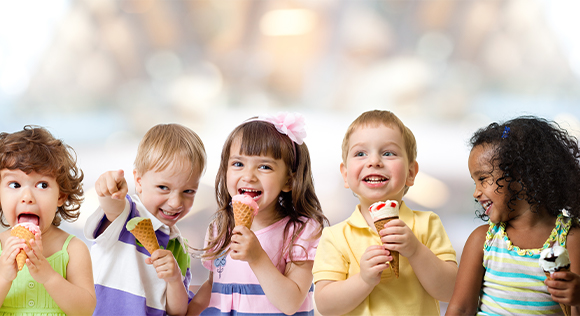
252, 194
28, 218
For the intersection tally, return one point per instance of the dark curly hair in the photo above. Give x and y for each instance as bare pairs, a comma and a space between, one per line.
538, 163
35, 149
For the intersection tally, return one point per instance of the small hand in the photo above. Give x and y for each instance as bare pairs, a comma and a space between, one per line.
38, 266
397, 236
373, 262
245, 245
165, 265
113, 184
564, 288
8, 266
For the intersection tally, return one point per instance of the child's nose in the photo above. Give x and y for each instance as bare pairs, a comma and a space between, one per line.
175, 201
375, 161
27, 196
476, 193
248, 175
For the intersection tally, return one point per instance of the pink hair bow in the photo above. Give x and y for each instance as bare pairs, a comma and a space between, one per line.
291, 124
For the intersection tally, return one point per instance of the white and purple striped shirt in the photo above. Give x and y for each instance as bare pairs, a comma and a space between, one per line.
124, 284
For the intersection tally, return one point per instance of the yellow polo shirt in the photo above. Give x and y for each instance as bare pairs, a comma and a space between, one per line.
342, 245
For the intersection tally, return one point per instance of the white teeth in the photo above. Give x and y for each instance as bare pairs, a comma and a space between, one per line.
486, 204
375, 179
168, 214
250, 190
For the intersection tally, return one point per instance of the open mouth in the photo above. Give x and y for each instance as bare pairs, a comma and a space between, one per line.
254, 194
28, 218
487, 206
375, 179
169, 215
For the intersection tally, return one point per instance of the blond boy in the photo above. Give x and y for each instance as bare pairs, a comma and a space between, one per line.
128, 279
351, 270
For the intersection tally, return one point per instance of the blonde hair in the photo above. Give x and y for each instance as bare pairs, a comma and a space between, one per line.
375, 118
164, 144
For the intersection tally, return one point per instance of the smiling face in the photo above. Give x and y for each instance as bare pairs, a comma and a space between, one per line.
261, 177
377, 167
486, 191
168, 194
29, 198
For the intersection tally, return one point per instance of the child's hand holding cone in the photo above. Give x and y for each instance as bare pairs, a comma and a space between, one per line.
25, 231
382, 213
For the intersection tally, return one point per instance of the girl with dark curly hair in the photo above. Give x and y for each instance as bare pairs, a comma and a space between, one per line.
527, 180
40, 184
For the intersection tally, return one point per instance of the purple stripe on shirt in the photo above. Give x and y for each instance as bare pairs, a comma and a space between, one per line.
112, 302
126, 237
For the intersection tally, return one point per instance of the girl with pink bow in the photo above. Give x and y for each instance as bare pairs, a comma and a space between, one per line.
265, 267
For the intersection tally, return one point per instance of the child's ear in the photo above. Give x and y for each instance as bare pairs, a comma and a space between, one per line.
413, 170
288, 185
61, 199
137, 178
343, 172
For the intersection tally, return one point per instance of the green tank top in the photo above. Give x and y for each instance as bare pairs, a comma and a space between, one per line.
28, 297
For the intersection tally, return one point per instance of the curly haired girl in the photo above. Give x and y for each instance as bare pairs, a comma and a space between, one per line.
527, 179
40, 184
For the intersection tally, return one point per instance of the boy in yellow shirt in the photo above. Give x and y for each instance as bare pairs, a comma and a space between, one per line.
351, 264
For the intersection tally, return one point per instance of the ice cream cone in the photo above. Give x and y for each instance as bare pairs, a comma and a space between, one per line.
565, 308
243, 214
380, 224
24, 233
382, 213
245, 208
145, 234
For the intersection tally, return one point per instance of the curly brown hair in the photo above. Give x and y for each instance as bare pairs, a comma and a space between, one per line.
261, 138
34, 149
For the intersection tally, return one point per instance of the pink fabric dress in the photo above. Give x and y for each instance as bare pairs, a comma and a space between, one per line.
236, 290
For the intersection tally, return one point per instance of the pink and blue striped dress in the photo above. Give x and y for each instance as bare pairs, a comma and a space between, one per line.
236, 290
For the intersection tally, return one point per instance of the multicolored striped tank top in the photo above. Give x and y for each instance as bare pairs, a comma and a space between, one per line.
513, 283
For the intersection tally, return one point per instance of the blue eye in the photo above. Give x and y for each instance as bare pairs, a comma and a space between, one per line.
189, 192
266, 167
163, 187
42, 185
237, 164
359, 154
388, 154
14, 185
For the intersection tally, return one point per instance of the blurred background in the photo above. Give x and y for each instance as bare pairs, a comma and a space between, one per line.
99, 73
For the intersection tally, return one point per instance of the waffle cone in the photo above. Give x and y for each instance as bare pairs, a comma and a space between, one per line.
565, 308
25, 234
379, 225
145, 234
243, 214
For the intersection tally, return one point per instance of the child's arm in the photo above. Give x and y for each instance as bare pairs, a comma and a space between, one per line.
565, 288
75, 295
111, 187
341, 297
470, 276
285, 291
168, 270
8, 267
436, 276
201, 299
